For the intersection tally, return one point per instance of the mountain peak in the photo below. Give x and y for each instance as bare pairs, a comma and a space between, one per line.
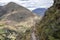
17, 13
13, 6
12, 3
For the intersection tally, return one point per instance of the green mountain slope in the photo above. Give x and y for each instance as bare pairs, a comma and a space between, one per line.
49, 27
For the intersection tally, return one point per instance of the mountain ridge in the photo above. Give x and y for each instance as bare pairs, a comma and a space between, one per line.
39, 11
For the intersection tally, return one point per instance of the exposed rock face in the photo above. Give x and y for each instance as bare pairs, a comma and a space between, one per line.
17, 21
49, 26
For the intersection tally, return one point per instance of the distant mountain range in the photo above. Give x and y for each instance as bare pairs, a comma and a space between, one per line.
39, 11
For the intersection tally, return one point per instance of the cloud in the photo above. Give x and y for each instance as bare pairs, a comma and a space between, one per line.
31, 4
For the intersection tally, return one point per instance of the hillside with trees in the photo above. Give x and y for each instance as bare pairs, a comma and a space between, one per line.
49, 27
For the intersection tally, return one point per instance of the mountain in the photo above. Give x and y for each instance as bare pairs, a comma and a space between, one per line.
16, 11
16, 22
39, 11
10, 7
49, 27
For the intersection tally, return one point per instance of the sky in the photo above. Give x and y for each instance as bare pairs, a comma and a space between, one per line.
30, 4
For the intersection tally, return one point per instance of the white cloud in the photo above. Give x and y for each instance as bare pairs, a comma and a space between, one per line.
31, 4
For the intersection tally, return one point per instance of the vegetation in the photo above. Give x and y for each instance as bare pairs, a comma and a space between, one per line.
49, 27
8, 34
